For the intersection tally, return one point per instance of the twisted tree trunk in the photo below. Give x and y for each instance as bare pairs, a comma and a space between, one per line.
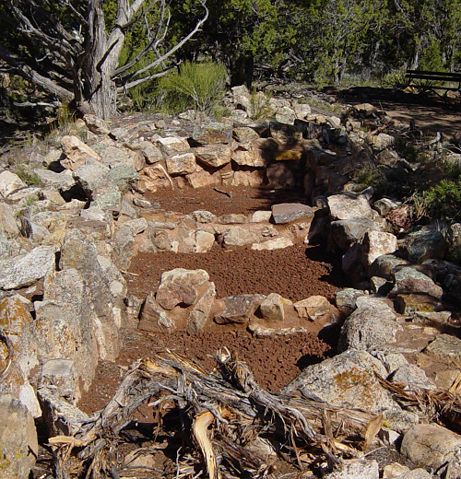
65, 48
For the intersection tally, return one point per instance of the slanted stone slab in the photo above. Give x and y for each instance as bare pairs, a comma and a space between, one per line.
446, 348
9, 183
25, 270
288, 212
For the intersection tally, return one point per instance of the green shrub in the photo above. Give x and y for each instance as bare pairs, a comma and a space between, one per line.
394, 79
198, 86
29, 177
444, 199
372, 176
260, 106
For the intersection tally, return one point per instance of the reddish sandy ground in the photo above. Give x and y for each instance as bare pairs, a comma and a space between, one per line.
295, 273
223, 200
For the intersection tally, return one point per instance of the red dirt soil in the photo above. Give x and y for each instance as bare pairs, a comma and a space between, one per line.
295, 273
238, 199
274, 361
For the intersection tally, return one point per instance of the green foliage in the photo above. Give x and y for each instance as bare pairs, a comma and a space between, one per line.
260, 106
29, 178
394, 79
64, 116
198, 86
442, 200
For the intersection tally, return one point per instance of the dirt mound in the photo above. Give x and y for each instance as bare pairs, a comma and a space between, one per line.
275, 361
296, 272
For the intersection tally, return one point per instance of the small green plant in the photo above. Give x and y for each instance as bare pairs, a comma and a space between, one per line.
394, 79
64, 116
371, 176
29, 178
260, 106
198, 86
31, 200
444, 199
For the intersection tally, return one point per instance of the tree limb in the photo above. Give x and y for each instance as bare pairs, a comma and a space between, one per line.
174, 49
151, 45
21, 68
140, 81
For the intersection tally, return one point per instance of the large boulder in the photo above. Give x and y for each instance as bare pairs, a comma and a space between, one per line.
212, 133
370, 327
180, 287
376, 244
343, 233
61, 181
76, 152
346, 380
347, 206
8, 225
258, 153
238, 309
409, 280
426, 243
80, 254
91, 175
65, 325
432, 446
18, 440
10, 183
181, 164
214, 155
445, 348
288, 212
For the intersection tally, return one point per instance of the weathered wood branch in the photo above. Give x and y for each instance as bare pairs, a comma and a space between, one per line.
224, 412
158, 61
23, 69
151, 45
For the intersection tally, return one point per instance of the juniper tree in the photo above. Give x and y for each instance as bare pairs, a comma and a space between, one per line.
72, 48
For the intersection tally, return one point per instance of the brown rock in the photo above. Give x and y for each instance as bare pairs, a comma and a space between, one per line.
200, 179
214, 155
272, 307
313, 308
76, 152
238, 309
179, 287
287, 212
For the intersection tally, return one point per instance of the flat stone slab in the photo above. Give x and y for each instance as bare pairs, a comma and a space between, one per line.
288, 212
25, 270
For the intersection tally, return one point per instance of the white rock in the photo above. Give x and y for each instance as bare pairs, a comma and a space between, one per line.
269, 245
377, 243
9, 183
261, 216
25, 270
430, 445
344, 207
358, 469
76, 152
173, 144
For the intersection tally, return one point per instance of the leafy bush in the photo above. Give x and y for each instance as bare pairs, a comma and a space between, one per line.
394, 79
198, 86
444, 199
